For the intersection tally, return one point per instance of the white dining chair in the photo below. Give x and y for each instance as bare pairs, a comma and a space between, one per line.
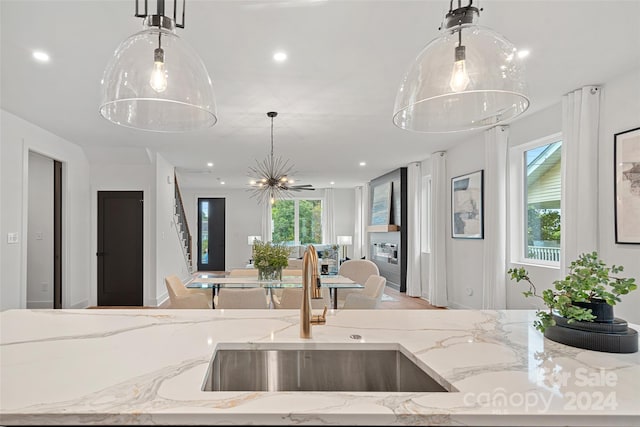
182, 297
292, 298
357, 270
369, 297
242, 298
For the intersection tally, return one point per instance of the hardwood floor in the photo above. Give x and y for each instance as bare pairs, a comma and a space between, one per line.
404, 302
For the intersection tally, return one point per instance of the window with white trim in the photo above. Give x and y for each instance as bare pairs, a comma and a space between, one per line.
538, 169
297, 221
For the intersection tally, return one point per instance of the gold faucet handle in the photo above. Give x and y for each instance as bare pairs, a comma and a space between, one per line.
319, 319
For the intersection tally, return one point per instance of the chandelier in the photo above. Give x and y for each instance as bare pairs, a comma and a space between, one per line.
470, 77
155, 81
270, 178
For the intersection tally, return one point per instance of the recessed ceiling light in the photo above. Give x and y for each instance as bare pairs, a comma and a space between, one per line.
332, 182
221, 182
363, 163
523, 53
210, 164
279, 56
40, 56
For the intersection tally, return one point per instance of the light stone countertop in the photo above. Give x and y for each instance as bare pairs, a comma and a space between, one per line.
148, 367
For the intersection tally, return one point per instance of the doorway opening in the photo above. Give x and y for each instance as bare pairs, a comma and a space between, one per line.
211, 234
120, 248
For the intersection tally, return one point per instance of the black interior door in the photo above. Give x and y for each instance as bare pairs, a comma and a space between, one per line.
211, 235
120, 248
57, 234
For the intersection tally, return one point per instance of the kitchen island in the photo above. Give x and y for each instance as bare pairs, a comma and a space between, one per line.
148, 367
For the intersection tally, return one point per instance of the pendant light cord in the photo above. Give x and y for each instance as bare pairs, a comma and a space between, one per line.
271, 140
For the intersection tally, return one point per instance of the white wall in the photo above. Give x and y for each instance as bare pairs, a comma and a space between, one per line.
620, 111
110, 177
40, 232
465, 256
17, 138
345, 214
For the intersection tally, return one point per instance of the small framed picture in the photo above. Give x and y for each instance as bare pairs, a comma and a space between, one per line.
467, 206
627, 186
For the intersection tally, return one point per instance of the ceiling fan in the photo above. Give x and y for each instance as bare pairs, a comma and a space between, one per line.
270, 177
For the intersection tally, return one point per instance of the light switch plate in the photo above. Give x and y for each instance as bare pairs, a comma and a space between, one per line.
12, 237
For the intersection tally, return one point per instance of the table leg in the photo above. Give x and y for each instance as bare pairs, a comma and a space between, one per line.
335, 298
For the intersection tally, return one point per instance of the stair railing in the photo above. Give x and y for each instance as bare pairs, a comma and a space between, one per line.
182, 226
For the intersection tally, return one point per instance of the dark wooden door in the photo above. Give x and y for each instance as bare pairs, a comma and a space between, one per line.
120, 246
211, 235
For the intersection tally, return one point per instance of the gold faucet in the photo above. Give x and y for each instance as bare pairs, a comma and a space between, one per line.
310, 290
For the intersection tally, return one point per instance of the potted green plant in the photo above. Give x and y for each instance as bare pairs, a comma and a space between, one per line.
270, 258
580, 306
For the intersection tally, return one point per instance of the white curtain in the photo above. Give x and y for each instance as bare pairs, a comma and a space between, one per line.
579, 205
358, 225
494, 295
360, 235
328, 218
266, 221
414, 222
438, 265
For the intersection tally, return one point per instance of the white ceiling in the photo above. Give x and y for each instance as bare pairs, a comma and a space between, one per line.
334, 94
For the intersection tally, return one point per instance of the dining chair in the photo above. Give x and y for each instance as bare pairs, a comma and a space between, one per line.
181, 297
357, 270
292, 298
369, 297
242, 298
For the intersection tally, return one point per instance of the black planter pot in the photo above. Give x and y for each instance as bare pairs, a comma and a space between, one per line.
599, 308
606, 333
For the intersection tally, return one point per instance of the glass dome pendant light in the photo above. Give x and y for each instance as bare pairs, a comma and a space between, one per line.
155, 81
452, 87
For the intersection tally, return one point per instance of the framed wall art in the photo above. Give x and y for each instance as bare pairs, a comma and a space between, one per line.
381, 204
627, 186
467, 206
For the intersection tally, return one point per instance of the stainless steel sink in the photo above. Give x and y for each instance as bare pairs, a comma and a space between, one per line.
318, 369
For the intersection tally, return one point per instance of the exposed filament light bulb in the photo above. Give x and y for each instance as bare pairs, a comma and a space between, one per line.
459, 76
158, 80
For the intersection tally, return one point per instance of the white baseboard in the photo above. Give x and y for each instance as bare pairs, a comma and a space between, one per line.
39, 304
453, 304
82, 304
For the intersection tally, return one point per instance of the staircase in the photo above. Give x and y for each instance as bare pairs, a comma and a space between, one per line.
180, 220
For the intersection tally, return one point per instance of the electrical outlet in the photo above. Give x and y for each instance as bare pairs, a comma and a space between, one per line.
39, 235
12, 237
469, 291
44, 286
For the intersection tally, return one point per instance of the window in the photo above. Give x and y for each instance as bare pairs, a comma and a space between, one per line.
297, 222
541, 213
536, 191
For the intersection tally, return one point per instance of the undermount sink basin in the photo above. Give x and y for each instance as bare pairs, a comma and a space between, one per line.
353, 368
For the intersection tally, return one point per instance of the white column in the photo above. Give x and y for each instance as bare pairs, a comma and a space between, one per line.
494, 294
414, 216
438, 265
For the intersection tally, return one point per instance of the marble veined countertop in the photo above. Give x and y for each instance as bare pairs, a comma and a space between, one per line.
148, 367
